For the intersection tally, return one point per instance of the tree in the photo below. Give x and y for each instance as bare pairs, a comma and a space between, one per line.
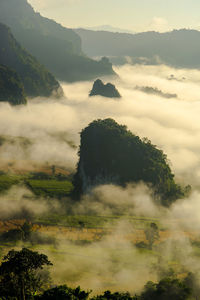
192, 281
166, 289
19, 273
27, 230
115, 296
63, 292
152, 234
18, 234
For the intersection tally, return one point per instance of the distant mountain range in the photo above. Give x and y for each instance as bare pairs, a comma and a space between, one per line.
36, 80
58, 48
179, 48
109, 28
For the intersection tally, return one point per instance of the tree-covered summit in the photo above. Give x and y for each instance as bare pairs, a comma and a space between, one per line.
36, 79
11, 87
105, 90
109, 153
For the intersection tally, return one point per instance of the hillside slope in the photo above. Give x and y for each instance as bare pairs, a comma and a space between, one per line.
36, 79
58, 48
11, 87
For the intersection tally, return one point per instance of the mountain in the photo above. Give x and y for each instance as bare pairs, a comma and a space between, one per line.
58, 48
178, 48
109, 28
109, 153
11, 87
106, 90
37, 81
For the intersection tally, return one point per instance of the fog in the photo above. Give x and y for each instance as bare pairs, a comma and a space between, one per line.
19, 202
46, 132
53, 126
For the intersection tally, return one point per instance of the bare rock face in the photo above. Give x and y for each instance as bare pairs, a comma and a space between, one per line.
106, 90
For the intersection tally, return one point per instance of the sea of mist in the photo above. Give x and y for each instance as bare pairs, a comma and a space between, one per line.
52, 126
47, 131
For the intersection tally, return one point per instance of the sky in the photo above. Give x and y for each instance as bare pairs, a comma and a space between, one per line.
135, 15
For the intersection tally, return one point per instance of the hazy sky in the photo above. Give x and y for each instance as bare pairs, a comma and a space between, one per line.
136, 15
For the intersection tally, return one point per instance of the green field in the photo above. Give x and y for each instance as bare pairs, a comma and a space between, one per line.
50, 188
6, 181
86, 221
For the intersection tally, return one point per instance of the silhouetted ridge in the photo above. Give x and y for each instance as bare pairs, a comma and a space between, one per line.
109, 153
11, 87
178, 48
56, 47
36, 79
105, 90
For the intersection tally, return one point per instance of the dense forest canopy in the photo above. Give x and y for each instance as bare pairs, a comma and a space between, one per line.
11, 87
58, 48
20, 278
36, 79
109, 153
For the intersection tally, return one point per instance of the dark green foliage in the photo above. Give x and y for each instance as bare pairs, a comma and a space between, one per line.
114, 296
109, 153
36, 79
19, 273
105, 90
58, 48
63, 292
11, 87
26, 235
166, 289
192, 282
18, 234
152, 234
13, 235
27, 230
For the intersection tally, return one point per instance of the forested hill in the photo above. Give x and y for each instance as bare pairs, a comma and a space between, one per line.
37, 81
109, 153
11, 87
179, 48
58, 48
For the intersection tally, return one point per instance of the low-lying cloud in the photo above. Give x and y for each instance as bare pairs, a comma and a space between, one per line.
19, 202
46, 131
53, 126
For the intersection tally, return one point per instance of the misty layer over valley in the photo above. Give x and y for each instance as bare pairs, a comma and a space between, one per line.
48, 131
99, 164
105, 240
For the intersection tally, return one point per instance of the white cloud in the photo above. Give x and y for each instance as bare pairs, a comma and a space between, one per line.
158, 24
